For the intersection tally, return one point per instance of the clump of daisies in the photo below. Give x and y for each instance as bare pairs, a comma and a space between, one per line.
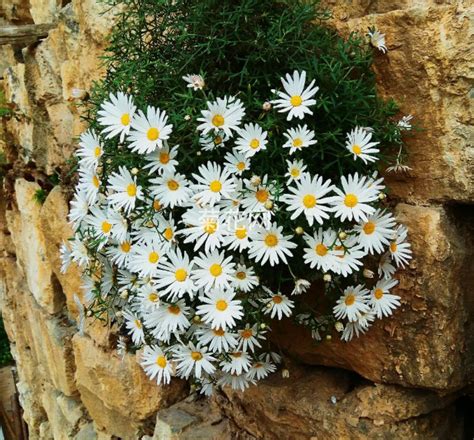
196, 260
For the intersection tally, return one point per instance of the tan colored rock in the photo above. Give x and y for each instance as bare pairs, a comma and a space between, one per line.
328, 404
429, 71
44, 11
27, 235
424, 343
117, 393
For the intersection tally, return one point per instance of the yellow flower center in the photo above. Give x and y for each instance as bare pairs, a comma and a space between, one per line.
321, 250
262, 195
277, 299
271, 240
215, 186
180, 275
240, 166
210, 226
294, 172
95, 181
241, 275
393, 246
161, 361
241, 232
356, 149
168, 233
132, 190
221, 305
173, 185
125, 119
125, 246
350, 299
296, 100
153, 297
97, 151
297, 143
247, 333
164, 158
218, 120
174, 309
350, 200
153, 134
106, 227
217, 140
138, 324
153, 257
378, 293
254, 143
156, 205
219, 332
369, 228
215, 270
236, 354
309, 201
196, 356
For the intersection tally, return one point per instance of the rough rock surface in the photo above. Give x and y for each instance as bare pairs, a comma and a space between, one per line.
72, 385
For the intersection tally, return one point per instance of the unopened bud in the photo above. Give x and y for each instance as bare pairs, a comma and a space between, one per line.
134, 171
119, 314
327, 277
299, 230
328, 337
382, 196
198, 153
89, 313
255, 180
187, 118
124, 294
339, 326
368, 273
268, 204
108, 161
263, 325
267, 106
285, 373
197, 319
342, 235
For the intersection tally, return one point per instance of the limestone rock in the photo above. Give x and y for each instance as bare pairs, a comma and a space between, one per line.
117, 393
423, 343
327, 404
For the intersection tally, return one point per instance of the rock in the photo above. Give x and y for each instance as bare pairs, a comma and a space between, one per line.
44, 11
118, 394
26, 232
302, 407
424, 343
87, 432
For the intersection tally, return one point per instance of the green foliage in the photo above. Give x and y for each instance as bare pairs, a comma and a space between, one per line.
5, 110
40, 196
5, 355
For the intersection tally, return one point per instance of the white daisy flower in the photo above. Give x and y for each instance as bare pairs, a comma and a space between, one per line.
400, 250
352, 303
376, 232
220, 309
358, 327
352, 202
196, 82
236, 163
349, 257
296, 170
320, 253
156, 364
90, 150
146, 257
239, 362
377, 40
102, 222
148, 297
244, 278
218, 340
223, 114
359, 144
238, 382
260, 370
299, 138
213, 184
236, 234
398, 168
116, 115
301, 286
89, 184
167, 229
248, 338
214, 270
213, 140
194, 360
162, 160
171, 190
149, 131
385, 268
173, 277
204, 227
308, 198
375, 183
167, 320
405, 123
252, 139
79, 252
66, 256
296, 100
78, 209
134, 327
124, 190
277, 305
120, 253
256, 196
270, 245
381, 300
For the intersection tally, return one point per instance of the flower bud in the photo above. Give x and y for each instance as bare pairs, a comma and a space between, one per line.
267, 106
268, 204
342, 235
368, 273
187, 118
285, 373
263, 326
339, 326
134, 171
328, 337
382, 196
89, 313
124, 294
255, 180
327, 277
197, 319
118, 314
299, 230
